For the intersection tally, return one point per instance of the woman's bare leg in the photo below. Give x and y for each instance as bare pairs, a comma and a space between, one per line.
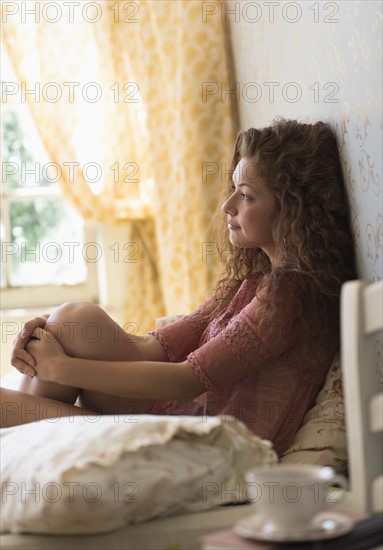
86, 331
22, 408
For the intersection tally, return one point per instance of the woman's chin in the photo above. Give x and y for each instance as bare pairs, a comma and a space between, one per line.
235, 242
242, 243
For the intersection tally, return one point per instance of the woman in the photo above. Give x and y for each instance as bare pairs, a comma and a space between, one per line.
260, 348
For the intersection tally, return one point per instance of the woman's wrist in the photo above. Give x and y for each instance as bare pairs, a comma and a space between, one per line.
59, 370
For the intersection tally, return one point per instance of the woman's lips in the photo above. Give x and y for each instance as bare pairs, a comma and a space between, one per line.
231, 226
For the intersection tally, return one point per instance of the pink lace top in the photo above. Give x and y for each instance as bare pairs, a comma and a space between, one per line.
267, 380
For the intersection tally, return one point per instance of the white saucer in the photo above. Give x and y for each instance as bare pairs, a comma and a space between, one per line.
325, 525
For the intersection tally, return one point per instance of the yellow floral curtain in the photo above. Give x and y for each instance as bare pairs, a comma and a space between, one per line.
132, 106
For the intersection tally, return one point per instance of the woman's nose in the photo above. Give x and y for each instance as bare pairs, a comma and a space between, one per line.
228, 206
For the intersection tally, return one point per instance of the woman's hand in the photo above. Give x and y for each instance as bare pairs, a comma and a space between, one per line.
20, 358
47, 353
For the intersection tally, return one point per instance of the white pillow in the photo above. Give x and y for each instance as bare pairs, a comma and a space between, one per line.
95, 474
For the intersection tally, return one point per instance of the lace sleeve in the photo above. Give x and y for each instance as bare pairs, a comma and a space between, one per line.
182, 337
237, 351
197, 318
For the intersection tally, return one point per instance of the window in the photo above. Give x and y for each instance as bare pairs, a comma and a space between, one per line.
48, 252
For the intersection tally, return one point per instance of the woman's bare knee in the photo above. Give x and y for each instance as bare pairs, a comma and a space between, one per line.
78, 325
80, 311
86, 331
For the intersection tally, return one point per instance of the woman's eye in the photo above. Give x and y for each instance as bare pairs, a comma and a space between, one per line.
245, 197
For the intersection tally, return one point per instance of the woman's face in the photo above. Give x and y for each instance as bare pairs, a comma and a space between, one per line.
251, 209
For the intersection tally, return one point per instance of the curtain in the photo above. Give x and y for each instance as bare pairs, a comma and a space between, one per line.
132, 107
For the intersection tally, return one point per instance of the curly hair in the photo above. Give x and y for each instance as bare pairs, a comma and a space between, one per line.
300, 164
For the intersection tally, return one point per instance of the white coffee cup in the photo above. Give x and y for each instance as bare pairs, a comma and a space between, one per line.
290, 496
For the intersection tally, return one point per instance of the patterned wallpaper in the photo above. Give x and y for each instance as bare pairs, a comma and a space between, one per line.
319, 61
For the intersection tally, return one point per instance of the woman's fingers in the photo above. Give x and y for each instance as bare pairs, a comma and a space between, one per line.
25, 334
21, 359
21, 354
39, 333
31, 325
23, 362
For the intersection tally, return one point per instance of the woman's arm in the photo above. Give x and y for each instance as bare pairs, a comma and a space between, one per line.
151, 348
131, 379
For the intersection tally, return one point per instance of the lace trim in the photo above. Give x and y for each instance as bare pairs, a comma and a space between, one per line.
198, 371
157, 334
